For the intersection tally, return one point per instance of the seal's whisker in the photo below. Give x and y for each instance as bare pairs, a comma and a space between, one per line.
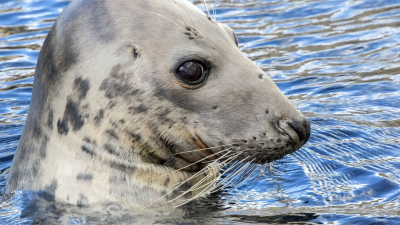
202, 170
213, 8
164, 18
215, 169
202, 149
192, 163
230, 158
223, 161
211, 167
248, 175
189, 17
176, 12
191, 177
239, 171
232, 178
261, 170
219, 185
249, 170
192, 198
212, 181
209, 184
206, 8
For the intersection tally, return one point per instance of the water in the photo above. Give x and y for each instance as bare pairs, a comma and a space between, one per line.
338, 62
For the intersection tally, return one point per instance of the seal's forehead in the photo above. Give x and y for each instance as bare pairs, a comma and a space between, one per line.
165, 19
157, 27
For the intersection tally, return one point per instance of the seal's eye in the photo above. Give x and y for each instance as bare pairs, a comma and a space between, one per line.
191, 73
236, 40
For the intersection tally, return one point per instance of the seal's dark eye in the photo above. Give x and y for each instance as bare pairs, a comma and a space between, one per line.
191, 73
236, 40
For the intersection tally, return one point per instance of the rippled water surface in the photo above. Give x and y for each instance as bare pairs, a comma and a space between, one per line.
337, 61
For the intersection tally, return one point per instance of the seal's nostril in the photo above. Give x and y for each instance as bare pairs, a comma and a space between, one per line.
302, 128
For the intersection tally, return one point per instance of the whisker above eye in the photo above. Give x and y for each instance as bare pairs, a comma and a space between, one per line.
164, 18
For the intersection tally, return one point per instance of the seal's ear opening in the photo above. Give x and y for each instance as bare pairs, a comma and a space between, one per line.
236, 39
230, 32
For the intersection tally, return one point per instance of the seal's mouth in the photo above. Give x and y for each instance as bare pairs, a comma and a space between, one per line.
179, 159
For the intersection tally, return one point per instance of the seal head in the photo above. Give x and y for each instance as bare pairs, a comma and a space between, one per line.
134, 101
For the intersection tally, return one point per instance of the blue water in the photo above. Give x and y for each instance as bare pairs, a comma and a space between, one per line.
337, 61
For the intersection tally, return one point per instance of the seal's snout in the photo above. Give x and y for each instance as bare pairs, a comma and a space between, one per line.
298, 130
302, 129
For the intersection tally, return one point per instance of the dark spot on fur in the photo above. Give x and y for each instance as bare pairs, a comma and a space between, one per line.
215, 107
62, 126
37, 131
84, 177
82, 201
35, 167
75, 117
112, 134
48, 193
122, 121
267, 111
135, 53
140, 109
122, 167
89, 146
117, 179
87, 150
167, 182
260, 76
99, 116
111, 104
43, 146
135, 137
71, 115
50, 119
117, 84
87, 139
134, 92
81, 87
111, 149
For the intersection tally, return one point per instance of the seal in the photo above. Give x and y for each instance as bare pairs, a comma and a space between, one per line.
142, 103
